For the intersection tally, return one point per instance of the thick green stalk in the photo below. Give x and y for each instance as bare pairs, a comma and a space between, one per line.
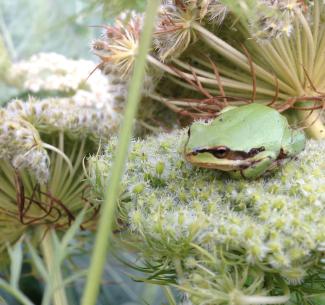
313, 122
109, 206
53, 266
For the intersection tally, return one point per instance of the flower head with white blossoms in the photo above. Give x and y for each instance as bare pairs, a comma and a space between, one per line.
209, 233
21, 145
79, 115
54, 72
272, 19
43, 144
25, 129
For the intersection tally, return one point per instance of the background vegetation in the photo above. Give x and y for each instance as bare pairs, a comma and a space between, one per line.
66, 27
28, 27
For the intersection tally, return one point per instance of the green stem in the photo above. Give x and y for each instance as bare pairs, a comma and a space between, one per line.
59, 152
179, 269
288, 62
53, 266
109, 206
310, 45
282, 68
236, 57
15, 293
169, 295
318, 75
299, 55
316, 20
226, 82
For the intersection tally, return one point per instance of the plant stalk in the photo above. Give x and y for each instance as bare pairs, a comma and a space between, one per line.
260, 300
53, 267
15, 293
314, 127
107, 218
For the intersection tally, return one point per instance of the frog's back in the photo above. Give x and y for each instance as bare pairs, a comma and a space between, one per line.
253, 125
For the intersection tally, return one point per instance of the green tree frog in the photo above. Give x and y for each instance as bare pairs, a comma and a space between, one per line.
245, 141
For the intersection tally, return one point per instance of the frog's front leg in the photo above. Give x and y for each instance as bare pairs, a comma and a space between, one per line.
259, 165
293, 143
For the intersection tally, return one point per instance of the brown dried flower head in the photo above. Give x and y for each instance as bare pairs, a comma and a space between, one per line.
119, 44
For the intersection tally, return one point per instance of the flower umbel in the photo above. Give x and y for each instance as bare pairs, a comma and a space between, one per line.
274, 18
43, 143
261, 239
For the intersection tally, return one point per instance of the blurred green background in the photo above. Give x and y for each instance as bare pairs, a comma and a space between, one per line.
31, 26
28, 27
66, 27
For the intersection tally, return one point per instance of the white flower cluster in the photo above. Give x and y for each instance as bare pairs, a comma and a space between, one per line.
84, 103
84, 108
274, 18
274, 224
75, 116
47, 74
21, 145
54, 72
21, 124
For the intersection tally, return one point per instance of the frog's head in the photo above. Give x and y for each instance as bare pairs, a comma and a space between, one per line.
205, 148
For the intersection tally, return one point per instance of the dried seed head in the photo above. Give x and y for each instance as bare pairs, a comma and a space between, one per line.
174, 29
213, 9
119, 44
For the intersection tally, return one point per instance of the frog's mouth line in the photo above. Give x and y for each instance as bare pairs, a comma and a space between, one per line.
223, 164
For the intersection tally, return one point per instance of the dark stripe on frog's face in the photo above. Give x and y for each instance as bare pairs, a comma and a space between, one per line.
223, 152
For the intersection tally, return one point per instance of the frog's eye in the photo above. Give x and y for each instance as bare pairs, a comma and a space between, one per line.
220, 152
